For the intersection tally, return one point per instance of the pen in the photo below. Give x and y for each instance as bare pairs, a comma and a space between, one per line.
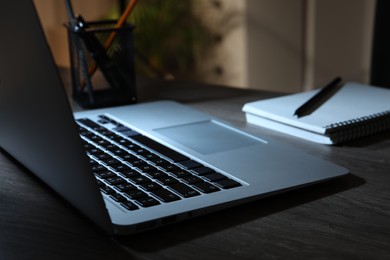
318, 99
80, 51
69, 9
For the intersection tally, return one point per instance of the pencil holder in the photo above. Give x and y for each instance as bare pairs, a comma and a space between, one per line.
101, 75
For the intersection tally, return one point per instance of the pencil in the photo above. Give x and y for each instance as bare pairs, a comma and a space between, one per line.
119, 24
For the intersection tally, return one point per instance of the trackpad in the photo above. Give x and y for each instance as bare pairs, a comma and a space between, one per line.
208, 137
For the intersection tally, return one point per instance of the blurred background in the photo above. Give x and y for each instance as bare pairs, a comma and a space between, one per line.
277, 45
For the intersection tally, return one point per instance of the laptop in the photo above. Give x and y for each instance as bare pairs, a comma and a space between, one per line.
136, 167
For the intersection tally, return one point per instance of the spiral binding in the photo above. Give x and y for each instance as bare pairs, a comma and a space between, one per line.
359, 127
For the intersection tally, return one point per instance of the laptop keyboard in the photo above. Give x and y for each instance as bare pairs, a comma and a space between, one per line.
138, 172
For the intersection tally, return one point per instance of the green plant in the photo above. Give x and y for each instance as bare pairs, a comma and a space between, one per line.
167, 34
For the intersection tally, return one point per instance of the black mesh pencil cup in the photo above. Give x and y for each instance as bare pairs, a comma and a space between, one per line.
101, 75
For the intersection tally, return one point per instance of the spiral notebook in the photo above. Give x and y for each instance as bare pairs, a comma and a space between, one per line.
356, 110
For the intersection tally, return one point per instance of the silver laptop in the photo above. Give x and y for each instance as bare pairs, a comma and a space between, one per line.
135, 167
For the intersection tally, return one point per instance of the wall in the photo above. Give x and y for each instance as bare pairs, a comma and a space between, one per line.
225, 60
275, 30
53, 16
278, 45
260, 43
292, 45
338, 40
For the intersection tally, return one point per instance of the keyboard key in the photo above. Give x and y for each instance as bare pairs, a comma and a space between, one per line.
110, 161
107, 190
133, 194
118, 152
141, 151
227, 184
184, 190
106, 118
158, 161
180, 173
161, 149
146, 168
131, 146
89, 123
88, 146
190, 164
121, 167
85, 132
129, 205
146, 201
170, 167
117, 197
202, 171
149, 156
214, 177
167, 180
123, 141
127, 157
125, 130
98, 167
190, 179
149, 186
114, 137
165, 195
103, 122
155, 174
205, 187
115, 180
103, 130
129, 173
135, 162
102, 142
125, 187
100, 183
94, 151
129, 133
109, 146
105, 174
92, 162
102, 156
95, 138
121, 128
139, 179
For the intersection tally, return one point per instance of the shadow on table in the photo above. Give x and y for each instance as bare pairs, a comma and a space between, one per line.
186, 231
378, 139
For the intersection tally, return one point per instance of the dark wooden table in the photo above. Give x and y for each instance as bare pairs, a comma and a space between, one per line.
348, 218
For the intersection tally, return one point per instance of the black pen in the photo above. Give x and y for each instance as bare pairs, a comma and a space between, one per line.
318, 99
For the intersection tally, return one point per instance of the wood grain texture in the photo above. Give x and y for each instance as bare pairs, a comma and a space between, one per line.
348, 218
